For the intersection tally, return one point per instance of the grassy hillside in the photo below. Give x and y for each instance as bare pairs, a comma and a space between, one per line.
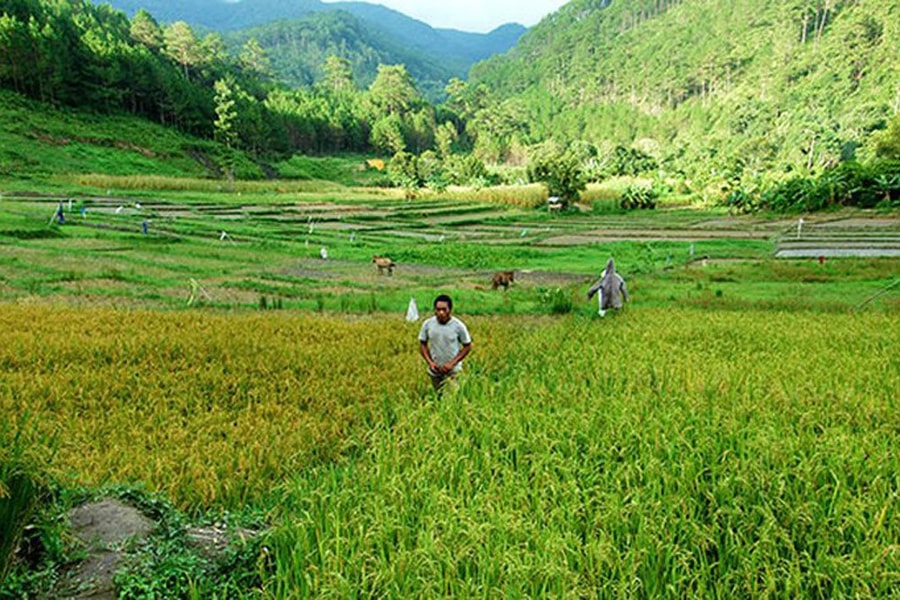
45, 147
39, 142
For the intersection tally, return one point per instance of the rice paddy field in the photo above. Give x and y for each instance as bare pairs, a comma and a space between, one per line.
732, 432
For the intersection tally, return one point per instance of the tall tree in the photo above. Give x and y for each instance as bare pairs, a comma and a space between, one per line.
387, 134
14, 52
182, 46
337, 75
224, 125
145, 30
254, 61
393, 92
420, 130
445, 135
496, 128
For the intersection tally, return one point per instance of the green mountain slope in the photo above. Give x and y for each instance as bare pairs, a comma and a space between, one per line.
298, 34
298, 49
459, 47
725, 85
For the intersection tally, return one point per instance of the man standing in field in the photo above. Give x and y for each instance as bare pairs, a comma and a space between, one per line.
444, 342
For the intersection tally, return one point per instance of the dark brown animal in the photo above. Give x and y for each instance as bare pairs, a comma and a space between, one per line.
503, 278
384, 264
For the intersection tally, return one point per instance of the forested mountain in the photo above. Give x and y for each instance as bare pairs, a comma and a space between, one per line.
716, 89
298, 49
297, 34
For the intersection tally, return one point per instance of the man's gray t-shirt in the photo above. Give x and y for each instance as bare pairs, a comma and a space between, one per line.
444, 341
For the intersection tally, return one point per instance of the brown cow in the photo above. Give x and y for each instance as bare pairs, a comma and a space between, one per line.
504, 278
384, 263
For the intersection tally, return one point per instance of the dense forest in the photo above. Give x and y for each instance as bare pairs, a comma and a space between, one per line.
720, 93
80, 55
732, 100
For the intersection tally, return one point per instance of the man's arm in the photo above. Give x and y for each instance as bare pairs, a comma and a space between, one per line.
463, 352
426, 354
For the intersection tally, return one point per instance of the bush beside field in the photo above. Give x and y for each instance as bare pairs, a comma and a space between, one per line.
654, 453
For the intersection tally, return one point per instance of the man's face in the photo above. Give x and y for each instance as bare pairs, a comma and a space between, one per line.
442, 312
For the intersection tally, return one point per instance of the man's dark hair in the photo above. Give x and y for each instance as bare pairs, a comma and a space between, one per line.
444, 298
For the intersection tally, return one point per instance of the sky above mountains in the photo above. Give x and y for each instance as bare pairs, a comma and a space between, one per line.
479, 16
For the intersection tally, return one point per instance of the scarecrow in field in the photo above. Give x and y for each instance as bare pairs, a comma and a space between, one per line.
611, 288
58, 216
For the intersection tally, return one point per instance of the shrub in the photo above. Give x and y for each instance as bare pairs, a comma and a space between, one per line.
557, 300
848, 184
886, 182
404, 172
639, 197
744, 196
887, 142
630, 161
792, 194
464, 169
560, 171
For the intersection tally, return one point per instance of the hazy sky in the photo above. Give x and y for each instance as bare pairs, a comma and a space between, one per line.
473, 15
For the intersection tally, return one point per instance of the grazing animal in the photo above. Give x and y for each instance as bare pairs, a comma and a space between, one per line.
611, 287
504, 278
384, 263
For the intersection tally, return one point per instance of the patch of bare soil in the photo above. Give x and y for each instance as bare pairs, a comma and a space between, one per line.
850, 236
650, 235
860, 222
551, 278
101, 529
405, 274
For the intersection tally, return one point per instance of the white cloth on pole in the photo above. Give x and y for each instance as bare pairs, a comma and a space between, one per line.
412, 311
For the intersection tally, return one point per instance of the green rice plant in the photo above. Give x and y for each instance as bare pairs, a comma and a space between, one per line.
701, 454
23, 452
